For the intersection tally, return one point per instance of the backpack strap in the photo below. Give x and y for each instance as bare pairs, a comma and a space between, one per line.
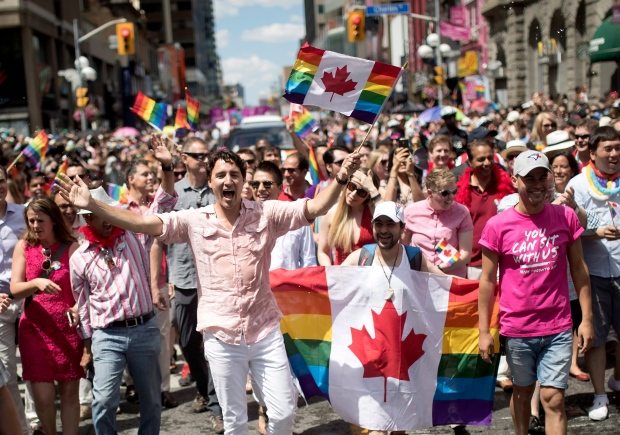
414, 254
367, 254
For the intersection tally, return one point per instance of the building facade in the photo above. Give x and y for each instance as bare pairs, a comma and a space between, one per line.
542, 45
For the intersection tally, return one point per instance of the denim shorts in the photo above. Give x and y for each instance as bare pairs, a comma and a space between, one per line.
546, 359
605, 307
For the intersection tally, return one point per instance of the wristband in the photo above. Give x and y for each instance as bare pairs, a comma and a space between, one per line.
167, 168
342, 182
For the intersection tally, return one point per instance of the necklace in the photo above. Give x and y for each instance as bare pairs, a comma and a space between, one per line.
390, 291
600, 186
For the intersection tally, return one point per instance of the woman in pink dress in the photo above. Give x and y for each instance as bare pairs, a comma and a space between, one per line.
50, 347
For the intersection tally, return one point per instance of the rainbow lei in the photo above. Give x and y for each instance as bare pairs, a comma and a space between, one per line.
599, 187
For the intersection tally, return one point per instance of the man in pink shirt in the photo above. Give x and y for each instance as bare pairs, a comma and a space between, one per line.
530, 244
237, 313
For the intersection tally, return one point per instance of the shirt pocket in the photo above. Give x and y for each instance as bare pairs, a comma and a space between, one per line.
254, 236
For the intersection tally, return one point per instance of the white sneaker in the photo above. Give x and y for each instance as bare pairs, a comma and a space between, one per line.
598, 411
613, 383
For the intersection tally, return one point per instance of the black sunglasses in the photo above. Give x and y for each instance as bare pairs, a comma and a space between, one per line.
362, 193
47, 263
198, 156
338, 162
285, 170
582, 136
107, 257
256, 184
447, 192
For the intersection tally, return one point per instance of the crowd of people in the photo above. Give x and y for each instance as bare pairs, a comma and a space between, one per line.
94, 289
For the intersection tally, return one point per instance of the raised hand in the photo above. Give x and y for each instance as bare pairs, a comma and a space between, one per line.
160, 149
76, 192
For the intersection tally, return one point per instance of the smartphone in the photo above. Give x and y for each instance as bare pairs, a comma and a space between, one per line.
404, 143
69, 318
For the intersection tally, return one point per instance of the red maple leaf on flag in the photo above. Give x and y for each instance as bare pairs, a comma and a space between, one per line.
338, 82
387, 355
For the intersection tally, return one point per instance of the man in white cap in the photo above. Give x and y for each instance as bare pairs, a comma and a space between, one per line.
109, 277
530, 244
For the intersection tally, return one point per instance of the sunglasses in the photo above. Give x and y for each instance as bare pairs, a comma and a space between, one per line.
582, 136
107, 257
362, 193
338, 162
256, 184
549, 125
447, 192
48, 265
285, 170
198, 156
179, 174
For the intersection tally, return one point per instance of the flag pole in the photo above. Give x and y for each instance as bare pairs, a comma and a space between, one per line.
381, 110
14, 162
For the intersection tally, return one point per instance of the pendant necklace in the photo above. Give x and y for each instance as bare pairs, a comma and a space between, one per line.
389, 293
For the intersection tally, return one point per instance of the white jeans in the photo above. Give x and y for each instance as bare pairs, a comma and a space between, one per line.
270, 372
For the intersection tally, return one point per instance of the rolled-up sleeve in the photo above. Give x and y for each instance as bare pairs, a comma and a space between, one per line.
286, 216
162, 201
175, 227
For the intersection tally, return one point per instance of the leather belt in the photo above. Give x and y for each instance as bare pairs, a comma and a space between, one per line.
133, 322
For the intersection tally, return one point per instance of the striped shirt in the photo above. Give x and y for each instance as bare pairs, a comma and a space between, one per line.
106, 294
159, 202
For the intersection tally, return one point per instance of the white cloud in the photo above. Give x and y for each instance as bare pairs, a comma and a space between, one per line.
222, 38
251, 72
232, 7
276, 32
297, 19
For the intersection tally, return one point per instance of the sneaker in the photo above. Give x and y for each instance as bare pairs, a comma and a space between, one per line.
613, 383
536, 427
217, 424
168, 401
598, 411
186, 376
86, 412
199, 404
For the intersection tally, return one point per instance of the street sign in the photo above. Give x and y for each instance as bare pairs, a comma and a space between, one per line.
389, 9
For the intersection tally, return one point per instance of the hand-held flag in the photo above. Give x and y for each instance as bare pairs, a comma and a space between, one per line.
193, 110
152, 112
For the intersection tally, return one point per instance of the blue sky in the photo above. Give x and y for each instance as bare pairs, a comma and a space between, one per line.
255, 39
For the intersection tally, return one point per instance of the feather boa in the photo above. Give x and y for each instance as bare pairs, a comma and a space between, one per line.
501, 185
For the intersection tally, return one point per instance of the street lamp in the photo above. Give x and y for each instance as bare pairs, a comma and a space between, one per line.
434, 49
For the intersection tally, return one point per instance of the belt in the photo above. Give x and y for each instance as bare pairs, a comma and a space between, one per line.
133, 322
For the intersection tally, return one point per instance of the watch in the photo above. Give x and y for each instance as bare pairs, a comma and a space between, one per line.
167, 168
342, 182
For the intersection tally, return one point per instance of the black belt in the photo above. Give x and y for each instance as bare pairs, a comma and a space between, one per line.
133, 322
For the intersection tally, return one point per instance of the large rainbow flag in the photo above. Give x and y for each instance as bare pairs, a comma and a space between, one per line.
400, 364
350, 85
193, 110
37, 148
152, 112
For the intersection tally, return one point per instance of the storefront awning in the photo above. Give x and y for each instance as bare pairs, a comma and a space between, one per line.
605, 45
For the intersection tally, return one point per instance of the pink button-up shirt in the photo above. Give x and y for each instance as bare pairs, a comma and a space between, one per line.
429, 226
232, 266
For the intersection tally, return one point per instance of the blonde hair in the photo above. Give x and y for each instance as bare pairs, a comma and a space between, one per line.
438, 178
537, 135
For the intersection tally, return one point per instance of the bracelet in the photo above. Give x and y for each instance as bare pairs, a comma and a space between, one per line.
167, 168
342, 182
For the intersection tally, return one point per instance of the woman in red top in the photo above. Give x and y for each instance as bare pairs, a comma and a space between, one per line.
348, 226
50, 348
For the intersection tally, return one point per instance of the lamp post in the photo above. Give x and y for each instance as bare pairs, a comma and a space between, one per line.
80, 65
434, 49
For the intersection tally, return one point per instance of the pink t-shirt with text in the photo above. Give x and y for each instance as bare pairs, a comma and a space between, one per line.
533, 282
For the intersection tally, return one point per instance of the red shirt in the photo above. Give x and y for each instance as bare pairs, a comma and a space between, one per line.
483, 207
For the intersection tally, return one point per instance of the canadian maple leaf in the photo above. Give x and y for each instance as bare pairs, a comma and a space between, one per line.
338, 82
387, 355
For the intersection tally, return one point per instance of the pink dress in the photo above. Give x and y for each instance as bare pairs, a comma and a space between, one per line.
49, 348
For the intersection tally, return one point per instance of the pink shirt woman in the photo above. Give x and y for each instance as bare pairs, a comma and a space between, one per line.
439, 217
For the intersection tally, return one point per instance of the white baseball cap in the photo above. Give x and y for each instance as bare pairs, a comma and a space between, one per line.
528, 161
390, 209
512, 116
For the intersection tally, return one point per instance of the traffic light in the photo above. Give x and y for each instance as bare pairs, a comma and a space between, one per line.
356, 25
125, 38
439, 77
81, 97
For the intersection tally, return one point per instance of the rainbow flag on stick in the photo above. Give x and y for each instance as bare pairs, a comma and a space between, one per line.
37, 149
350, 85
118, 193
315, 170
400, 364
152, 112
180, 120
193, 110
303, 122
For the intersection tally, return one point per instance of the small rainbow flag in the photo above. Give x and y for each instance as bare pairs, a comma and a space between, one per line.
152, 112
349, 345
118, 193
303, 122
613, 211
62, 170
315, 170
448, 253
193, 110
180, 120
350, 85
37, 149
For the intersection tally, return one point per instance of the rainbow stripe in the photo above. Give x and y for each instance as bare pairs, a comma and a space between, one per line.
37, 148
193, 110
374, 93
465, 383
442, 246
303, 123
306, 327
118, 193
152, 112
315, 170
180, 120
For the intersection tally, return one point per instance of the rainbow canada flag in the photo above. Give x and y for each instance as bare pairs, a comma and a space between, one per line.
118, 193
37, 148
193, 110
350, 85
152, 112
448, 253
180, 120
400, 364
